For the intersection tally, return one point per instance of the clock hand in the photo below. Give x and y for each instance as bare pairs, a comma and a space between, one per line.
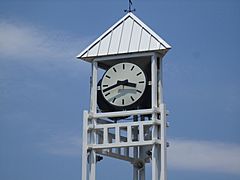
111, 87
115, 85
125, 83
130, 84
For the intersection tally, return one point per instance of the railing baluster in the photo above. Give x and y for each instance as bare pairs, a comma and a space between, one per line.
129, 134
105, 136
141, 133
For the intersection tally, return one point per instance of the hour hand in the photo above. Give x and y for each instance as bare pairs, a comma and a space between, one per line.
130, 84
124, 83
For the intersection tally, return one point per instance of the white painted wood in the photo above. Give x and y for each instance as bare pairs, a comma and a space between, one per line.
124, 144
123, 56
93, 103
163, 175
126, 36
154, 80
144, 41
115, 41
84, 146
125, 113
160, 102
129, 134
117, 156
155, 157
105, 135
160, 82
92, 167
117, 135
126, 124
93, 109
141, 133
135, 149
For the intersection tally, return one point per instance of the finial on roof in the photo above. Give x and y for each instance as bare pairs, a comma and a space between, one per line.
130, 7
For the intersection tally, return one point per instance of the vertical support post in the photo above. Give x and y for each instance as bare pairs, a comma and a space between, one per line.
160, 82
93, 105
141, 156
163, 151
135, 149
155, 148
93, 109
163, 143
129, 134
105, 135
142, 150
84, 146
117, 139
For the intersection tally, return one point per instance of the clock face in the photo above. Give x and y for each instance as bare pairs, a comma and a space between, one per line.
123, 84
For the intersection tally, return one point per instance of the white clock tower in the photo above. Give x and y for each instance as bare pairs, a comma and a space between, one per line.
127, 116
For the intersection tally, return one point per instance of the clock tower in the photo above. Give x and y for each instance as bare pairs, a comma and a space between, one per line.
127, 116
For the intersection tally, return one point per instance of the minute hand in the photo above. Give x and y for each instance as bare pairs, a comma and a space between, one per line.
111, 87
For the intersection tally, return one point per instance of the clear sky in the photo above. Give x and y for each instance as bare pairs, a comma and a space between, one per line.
44, 89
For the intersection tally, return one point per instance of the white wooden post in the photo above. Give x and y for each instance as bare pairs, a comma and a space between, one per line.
93, 110
84, 146
163, 151
163, 143
160, 82
135, 149
141, 150
155, 157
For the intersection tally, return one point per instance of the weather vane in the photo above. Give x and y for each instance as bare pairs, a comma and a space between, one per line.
129, 7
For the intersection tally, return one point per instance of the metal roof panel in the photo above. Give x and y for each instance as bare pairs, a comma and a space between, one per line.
128, 35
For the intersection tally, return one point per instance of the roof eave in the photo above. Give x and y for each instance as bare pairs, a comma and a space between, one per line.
91, 58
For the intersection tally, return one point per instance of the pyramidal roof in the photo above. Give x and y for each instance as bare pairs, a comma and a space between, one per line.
128, 35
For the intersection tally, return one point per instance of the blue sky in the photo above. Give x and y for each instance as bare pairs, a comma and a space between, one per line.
44, 89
